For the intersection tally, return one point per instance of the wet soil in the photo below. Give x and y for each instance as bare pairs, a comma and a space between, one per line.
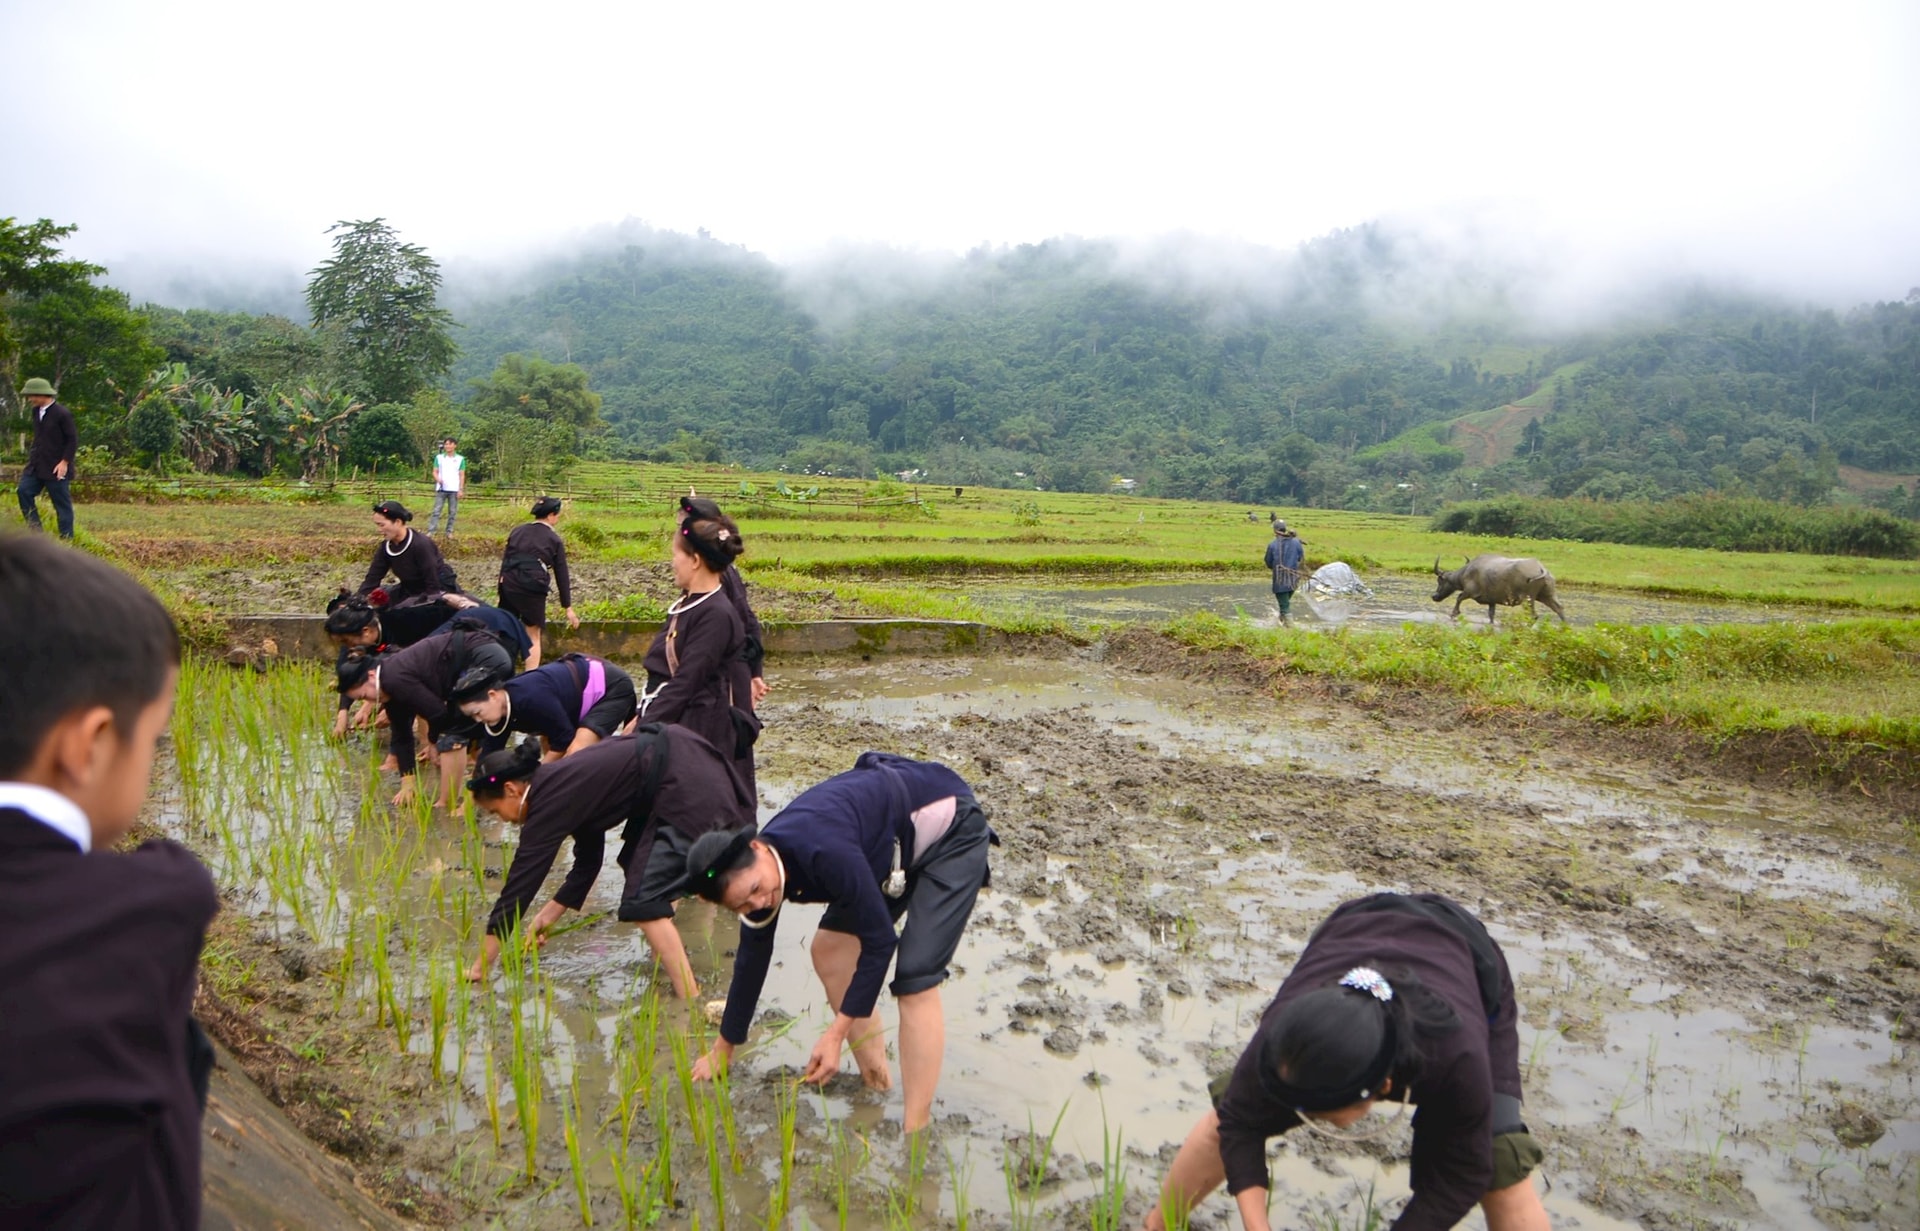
1717, 972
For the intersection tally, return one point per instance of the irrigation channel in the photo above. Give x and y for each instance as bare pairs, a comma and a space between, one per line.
1717, 982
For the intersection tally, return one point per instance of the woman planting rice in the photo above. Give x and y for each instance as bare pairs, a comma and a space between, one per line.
571, 704
1403, 998
892, 836
665, 784
412, 559
535, 562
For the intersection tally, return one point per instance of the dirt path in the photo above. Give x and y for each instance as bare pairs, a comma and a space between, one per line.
1718, 979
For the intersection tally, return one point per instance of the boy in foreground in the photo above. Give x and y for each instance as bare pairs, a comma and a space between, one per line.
102, 1069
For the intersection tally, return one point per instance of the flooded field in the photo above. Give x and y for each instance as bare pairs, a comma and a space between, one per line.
1397, 599
1718, 984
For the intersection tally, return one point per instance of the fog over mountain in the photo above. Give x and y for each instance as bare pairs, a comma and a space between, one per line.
1572, 150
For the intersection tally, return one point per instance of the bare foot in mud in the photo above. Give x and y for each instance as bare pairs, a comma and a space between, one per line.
390, 765
874, 1071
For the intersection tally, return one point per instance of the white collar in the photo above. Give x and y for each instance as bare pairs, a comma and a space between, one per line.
51, 809
403, 546
687, 602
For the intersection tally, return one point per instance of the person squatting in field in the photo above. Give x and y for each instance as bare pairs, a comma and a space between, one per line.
534, 562
370, 622
664, 783
416, 682
1396, 997
697, 675
570, 705
412, 559
891, 836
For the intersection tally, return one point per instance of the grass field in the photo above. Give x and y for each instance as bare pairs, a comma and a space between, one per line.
853, 548
886, 532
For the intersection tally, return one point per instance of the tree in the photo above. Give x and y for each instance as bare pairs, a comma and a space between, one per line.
153, 428
378, 295
54, 322
530, 386
379, 435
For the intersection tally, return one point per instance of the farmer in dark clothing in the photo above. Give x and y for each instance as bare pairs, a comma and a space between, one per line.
535, 562
665, 784
692, 506
357, 623
571, 704
49, 465
892, 836
416, 682
413, 559
1284, 557
697, 675
1399, 997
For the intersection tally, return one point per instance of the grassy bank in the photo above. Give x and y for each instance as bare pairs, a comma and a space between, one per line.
868, 533
1855, 681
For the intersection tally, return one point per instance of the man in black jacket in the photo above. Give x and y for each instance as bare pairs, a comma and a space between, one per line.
50, 466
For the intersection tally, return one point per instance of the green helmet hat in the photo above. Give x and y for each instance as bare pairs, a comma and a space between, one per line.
38, 387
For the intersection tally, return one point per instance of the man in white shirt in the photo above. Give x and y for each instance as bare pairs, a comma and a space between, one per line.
449, 484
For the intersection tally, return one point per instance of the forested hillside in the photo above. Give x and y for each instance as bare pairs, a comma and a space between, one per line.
1369, 369
1067, 364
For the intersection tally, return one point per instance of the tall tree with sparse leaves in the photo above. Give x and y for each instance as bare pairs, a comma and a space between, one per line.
379, 295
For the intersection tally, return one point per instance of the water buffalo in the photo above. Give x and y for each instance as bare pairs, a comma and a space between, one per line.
1497, 580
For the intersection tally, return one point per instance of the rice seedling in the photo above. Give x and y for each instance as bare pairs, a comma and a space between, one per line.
438, 995
786, 1103
1025, 1166
1110, 1201
961, 1171
519, 963
1369, 1217
576, 1161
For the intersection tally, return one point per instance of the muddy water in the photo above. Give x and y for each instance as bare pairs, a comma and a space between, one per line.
1717, 982
1128, 950
1397, 600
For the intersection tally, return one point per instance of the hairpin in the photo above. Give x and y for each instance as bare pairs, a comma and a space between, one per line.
723, 535
1368, 980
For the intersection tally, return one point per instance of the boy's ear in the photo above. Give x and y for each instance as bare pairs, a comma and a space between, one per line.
66, 758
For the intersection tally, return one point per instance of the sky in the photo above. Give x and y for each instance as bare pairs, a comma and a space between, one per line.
1772, 144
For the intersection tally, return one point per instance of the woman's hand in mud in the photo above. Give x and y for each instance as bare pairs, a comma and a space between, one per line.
543, 919
824, 1060
758, 690
340, 724
403, 797
714, 1061
489, 949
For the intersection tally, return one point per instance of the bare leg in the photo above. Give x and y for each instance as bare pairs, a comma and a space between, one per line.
834, 956
1197, 1170
923, 1042
1515, 1208
453, 776
664, 939
533, 655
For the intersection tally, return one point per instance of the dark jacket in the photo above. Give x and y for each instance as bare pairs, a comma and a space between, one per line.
1284, 556
54, 440
543, 543
99, 1115
418, 679
755, 650
548, 701
1461, 1070
836, 842
712, 677
417, 569
587, 794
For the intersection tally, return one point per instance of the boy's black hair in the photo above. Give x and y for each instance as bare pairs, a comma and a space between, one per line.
79, 633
